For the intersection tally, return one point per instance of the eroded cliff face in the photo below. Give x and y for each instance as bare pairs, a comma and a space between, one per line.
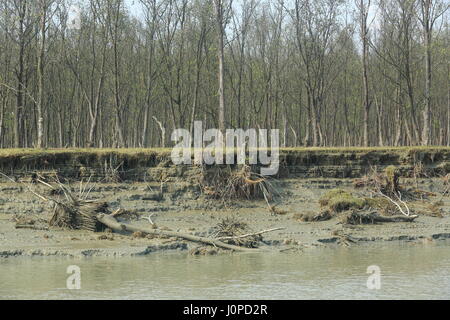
156, 165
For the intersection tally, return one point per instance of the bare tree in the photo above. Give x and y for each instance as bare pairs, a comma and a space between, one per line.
222, 9
151, 21
363, 12
44, 15
430, 12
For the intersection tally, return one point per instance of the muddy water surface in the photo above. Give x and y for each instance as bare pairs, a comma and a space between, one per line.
408, 272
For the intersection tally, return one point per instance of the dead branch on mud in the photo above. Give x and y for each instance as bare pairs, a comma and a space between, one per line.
250, 234
30, 227
406, 213
149, 219
113, 224
357, 218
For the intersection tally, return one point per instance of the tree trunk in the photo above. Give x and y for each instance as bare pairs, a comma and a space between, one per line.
18, 121
40, 73
427, 28
144, 138
364, 11
2, 113
448, 106
219, 6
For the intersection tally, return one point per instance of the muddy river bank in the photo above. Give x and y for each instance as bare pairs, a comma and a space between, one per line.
182, 209
323, 210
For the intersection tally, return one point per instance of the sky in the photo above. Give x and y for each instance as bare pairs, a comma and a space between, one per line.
134, 6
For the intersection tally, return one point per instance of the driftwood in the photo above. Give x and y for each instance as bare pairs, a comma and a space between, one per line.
113, 224
31, 227
406, 213
395, 218
250, 234
373, 217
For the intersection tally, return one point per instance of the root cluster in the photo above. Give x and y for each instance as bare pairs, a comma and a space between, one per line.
235, 232
227, 184
71, 209
386, 182
78, 215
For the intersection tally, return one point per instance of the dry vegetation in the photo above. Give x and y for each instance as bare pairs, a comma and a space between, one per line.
380, 198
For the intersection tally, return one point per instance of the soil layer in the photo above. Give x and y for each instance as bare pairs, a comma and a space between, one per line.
155, 164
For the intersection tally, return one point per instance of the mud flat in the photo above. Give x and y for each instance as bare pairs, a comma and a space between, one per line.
152, 187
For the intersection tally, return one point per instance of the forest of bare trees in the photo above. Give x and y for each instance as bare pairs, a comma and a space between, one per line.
126, 73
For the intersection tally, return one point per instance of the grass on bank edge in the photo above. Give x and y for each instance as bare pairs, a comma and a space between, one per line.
167, 151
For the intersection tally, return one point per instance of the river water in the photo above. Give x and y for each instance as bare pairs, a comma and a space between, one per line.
407, 272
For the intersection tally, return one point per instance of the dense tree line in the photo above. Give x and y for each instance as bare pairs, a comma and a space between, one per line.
324, 72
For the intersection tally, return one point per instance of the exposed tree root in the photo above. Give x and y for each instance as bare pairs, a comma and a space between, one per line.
386, 182
235, 232
231, 229
75, 211
77, 215
227, 184
111, 171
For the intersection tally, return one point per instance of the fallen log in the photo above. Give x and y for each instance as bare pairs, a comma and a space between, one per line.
396, 218
30, 227
356, 218
113, 224
250, 234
